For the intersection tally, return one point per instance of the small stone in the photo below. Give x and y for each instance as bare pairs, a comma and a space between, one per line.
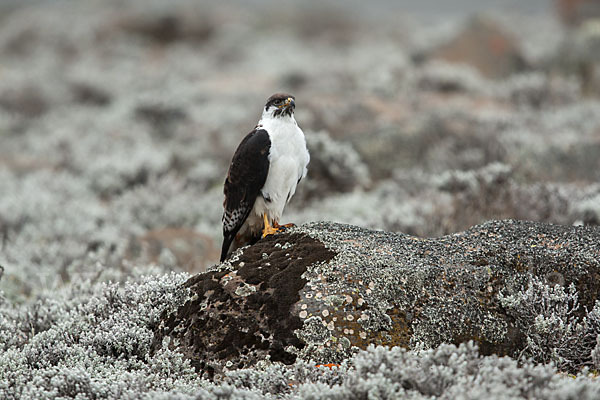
345, 343
303, 314
325, 313
245, 290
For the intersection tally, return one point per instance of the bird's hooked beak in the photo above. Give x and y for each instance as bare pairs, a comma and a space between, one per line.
289, 103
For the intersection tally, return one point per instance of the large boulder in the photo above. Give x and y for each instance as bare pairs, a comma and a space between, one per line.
322, 291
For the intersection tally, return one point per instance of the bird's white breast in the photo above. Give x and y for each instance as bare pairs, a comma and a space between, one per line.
288, 158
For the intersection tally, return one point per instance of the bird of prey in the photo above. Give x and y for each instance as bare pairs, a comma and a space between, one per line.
265, 169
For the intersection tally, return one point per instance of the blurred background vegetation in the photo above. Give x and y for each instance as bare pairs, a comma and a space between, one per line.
118, 120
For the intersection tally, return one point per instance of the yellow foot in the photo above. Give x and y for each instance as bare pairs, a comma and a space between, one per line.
267, 228
269, 231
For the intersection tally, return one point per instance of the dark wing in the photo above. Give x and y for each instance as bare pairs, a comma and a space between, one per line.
246, 177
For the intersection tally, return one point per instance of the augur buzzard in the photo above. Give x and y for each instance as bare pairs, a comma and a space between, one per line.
265, 169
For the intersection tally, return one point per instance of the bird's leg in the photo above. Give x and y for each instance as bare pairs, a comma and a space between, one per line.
268, 229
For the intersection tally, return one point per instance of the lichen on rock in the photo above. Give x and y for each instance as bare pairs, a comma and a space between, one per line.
239, 314
323, 291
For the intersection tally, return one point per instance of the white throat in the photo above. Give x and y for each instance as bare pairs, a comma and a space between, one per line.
275, 125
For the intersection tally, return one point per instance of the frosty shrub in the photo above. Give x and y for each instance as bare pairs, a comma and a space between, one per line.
164, 202
537, 90
334, 166
558, 328
118, 125
448, 372
596, 354
449, 77
588, 209
92, 340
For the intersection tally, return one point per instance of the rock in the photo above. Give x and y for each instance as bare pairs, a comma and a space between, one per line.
322, 291
183, 248
240, 315
484, 45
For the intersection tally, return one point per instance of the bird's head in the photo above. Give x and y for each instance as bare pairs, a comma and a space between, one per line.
280, 105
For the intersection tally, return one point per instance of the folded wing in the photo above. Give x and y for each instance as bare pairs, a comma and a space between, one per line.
246, 177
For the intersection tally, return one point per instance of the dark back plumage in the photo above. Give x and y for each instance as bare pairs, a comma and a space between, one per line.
246, 177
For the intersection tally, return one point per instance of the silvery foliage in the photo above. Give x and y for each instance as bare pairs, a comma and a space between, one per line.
537, 90
92, 341
448, 77
448, 372
94, 176
596, 354
555, 330
339, 160
53, 227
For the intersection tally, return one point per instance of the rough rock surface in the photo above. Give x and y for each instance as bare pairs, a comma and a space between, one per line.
322, 291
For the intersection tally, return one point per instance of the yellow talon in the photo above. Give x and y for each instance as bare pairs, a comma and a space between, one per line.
271, 230
268, 229
278, 227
